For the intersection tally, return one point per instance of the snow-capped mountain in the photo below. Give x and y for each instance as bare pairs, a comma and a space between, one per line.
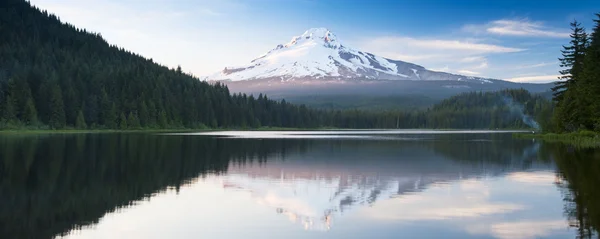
319, 55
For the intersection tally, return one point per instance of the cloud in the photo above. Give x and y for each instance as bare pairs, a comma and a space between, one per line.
535, 79
518, 27
463, 56
443, 69
544, 178
208, 12
440, 44
482, 65
526, 229
472, 59
536, 65
468, 72
517, 230
466, 199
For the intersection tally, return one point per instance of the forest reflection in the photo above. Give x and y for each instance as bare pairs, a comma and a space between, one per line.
579, 170
52, 184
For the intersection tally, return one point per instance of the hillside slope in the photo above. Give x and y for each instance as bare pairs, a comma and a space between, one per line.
55, 75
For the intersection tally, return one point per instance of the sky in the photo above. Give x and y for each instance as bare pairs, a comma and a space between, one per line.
512, 40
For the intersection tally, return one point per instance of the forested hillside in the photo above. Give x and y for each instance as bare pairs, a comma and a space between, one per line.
503, 109
577, 96
481, 110
54, 75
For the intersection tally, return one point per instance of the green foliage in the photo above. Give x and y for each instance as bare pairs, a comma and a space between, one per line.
578, 95
590, 81
580, 139
56, 106
9, 114
110, 119
132, 121
80, 122
502, 109
30, 113
122, 122
162, 120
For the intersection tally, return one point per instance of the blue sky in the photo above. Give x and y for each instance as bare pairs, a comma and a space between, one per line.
514, 40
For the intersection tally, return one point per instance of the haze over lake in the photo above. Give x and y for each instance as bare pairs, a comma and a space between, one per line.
303, 184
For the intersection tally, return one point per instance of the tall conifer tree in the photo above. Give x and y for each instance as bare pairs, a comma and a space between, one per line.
565, 94
590, 85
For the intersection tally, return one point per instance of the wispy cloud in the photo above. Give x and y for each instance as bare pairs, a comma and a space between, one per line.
526, 229
536, 65
535, 79
517, 27
470, 59
440, 44
443, 69
427, 51
462, 56
483, 65
468, 72
540, 178
208, 12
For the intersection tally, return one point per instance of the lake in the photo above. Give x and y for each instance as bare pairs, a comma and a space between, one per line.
303, 184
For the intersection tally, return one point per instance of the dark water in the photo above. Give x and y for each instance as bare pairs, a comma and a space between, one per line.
275, 185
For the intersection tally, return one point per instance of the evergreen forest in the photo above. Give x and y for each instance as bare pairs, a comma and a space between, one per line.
577, 95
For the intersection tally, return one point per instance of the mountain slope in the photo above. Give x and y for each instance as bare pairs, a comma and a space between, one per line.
319, 54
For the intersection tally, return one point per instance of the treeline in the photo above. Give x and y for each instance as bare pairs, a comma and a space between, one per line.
513, 108
577, 95
55, 76
502, 109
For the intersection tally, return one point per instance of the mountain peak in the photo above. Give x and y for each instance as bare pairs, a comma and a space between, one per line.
320, 32
319, 35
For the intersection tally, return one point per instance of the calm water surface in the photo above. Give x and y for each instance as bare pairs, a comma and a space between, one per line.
348, 184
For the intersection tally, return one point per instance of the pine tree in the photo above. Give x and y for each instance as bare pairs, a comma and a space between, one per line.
162, 120
29, 113
80, 122
572, 60
144, 116
590, 82
9, 114
132, 121
56, 106
122, 122
565, 94
110, 119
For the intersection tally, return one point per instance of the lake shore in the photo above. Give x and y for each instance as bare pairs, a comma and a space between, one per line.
175, 130
583, 139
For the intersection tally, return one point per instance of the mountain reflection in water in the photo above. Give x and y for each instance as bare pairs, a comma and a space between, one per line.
459, 186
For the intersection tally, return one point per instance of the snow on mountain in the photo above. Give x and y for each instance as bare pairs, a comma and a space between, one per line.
319, 54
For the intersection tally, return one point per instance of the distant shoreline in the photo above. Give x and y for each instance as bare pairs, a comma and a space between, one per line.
583, 139
180, 130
